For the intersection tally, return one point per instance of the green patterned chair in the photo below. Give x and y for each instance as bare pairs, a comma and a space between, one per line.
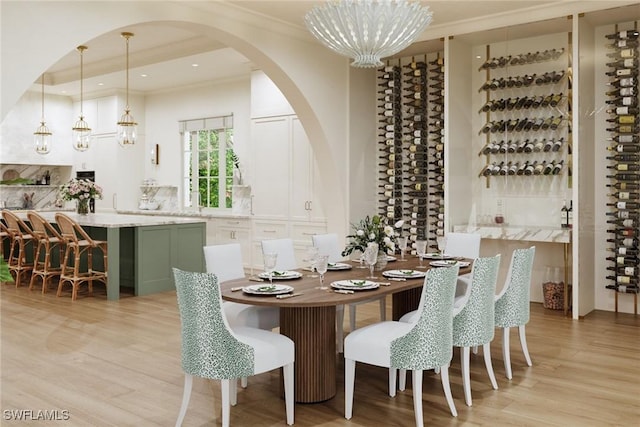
425, 345
211, 349
512, 303
474, 325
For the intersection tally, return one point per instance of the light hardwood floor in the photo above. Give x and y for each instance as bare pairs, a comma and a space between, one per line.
118, 364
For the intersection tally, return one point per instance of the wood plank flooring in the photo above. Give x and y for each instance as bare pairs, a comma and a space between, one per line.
118, 364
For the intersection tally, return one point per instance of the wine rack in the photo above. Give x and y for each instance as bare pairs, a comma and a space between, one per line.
624, 163
526, 129
411, 123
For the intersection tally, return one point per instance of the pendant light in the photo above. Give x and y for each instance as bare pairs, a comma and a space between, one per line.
127, 126
81, 130
42, 135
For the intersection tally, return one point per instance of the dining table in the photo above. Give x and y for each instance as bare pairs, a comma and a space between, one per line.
308, 317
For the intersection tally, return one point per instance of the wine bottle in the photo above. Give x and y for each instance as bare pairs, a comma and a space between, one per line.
530, 168
629, 242
624, 129
622, 260
625, 186
623, 72
625, 205
623, 43
624, 251
623, 119
570, 215
631, 289
623, 101
623, 167
557, 168
624, 63
624, 214
535, 102
522, 168
564, 217
622, 111
623, 53
625, 280
623, 91
548, 168
539, 168
624, 232
624, 82
624, 270
626, 222
625, 148
625, 195
513, 170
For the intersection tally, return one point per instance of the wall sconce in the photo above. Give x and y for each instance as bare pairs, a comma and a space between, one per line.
155, 154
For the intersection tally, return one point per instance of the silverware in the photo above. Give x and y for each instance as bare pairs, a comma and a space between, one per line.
397, 279
288, 295
343, 291
256, 279
384, 283
237, 288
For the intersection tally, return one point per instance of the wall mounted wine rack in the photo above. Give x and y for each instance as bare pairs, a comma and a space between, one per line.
411, 150
624, 163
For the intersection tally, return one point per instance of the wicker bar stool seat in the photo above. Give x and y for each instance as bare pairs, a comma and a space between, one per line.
22, 244
47, 241
79, 247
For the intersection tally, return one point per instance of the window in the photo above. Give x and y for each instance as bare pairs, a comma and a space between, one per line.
208, 162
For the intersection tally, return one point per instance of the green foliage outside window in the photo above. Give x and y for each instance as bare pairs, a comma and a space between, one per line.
210, 175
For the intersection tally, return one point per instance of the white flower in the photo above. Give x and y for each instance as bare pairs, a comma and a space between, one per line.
372, 236
388, 230
360, 233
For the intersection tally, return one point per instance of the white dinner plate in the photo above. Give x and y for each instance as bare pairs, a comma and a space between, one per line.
391, 258
267, 289
338, 266
281, 275
437, 255
355, 285
450, 263
405, 274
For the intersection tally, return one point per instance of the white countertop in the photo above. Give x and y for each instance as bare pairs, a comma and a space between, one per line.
109, 220
186, 214
518, 232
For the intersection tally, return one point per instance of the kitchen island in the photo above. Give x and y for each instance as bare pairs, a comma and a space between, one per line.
143, 249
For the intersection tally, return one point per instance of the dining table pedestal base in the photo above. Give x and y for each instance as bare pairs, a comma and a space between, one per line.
313, 330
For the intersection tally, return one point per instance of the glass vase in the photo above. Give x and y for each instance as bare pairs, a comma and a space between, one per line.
82, 206
381, 262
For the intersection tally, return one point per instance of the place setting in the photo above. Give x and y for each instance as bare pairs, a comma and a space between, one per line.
404, 274
350, 286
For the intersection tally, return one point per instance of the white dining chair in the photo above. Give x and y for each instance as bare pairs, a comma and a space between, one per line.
466, 245
286, 254
212, 349
328, 244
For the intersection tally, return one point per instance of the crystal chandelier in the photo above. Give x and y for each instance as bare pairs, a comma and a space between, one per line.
127, 126
81, 130
367, 30
42, 135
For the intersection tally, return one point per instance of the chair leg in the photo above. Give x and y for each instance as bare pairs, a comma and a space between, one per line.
186, 395
402, 381
487, 362
446, 385
416, 378
349, 379
466, 376
523, 344
340, 328
226, 407
392, 381
288, 374
352, 317
233, 392
243, 382
506, 353
383, 309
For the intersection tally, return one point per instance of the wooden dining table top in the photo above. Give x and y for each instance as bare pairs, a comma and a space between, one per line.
310, 294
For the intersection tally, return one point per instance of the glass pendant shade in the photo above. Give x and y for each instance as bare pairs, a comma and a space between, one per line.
81, 135
81, 132
127, 126
368, 30
42, 136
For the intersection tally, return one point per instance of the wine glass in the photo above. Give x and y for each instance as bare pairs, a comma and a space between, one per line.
402, 245
270, 265
322, 263
421, 248
441, 245
370, 258
312, 257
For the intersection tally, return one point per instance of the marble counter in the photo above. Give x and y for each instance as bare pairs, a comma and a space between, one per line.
518, 232
185, 214
108, 220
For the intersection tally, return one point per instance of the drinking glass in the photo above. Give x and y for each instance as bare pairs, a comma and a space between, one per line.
322, 263
370, 258
312, 257
402, 245
442, 242
421, 248
270, 265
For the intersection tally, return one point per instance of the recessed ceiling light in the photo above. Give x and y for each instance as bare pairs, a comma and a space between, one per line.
100, 84
478, 57
195, 65
143, 75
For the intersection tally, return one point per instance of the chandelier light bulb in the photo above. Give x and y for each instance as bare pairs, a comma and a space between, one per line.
368, 30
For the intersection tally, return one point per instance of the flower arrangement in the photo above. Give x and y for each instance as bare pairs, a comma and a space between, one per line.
373, 230
80, 189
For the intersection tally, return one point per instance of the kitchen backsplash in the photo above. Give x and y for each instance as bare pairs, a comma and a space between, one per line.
24, 186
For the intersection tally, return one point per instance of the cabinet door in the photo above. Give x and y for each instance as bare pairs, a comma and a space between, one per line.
271, 167
305, 180
235, 231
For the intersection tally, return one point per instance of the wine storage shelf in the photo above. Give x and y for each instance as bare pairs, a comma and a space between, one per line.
623, 170
411, 150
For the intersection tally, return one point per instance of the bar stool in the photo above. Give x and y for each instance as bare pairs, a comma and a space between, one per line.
79, 245
22, 243
4, 234
47, 241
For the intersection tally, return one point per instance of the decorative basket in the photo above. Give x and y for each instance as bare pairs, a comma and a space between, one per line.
553, 294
